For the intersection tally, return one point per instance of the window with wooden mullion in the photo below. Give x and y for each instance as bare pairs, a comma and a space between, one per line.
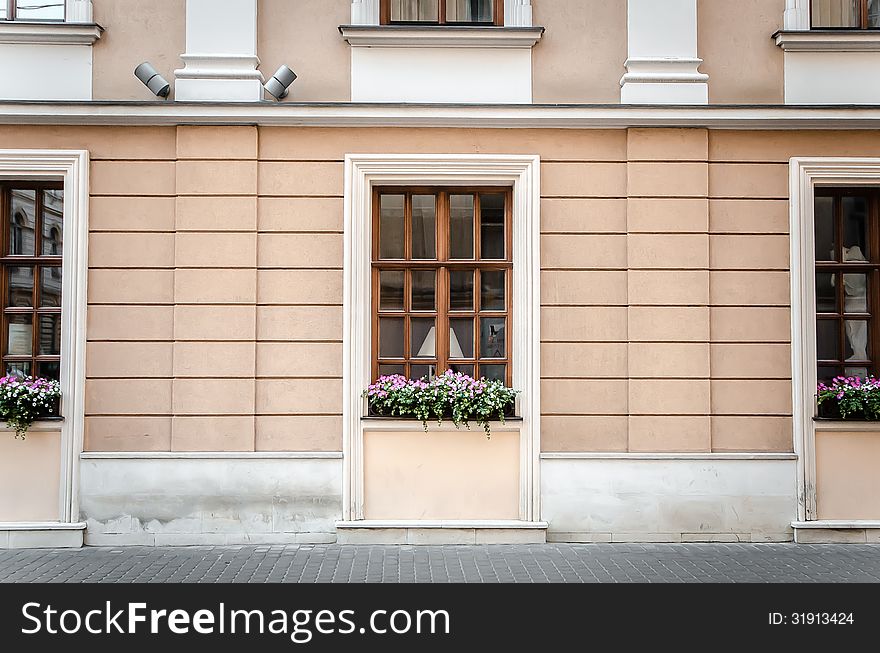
845, 14
33, 10
442, 12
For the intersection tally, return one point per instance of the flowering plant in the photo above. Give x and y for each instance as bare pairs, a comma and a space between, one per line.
852, 396
24, 399
452, 394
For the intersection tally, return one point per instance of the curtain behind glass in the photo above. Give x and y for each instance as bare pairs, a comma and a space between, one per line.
414, 11
835, 13
469, 11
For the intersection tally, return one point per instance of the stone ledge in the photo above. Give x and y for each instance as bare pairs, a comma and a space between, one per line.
837, 532
668, 538
48, 535
440, 532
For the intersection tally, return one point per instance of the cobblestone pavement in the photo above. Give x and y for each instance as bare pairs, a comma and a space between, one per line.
487, 563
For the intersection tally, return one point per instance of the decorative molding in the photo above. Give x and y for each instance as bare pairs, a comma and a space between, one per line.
49, 33
362, 172
78, 11
658, 70
517, 13
434, 36
828, 41
72, 166
211, 455
587, 455
796, 15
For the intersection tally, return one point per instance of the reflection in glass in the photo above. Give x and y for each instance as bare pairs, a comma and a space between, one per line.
421, 371
388, 370
50, 286
424, 208
494, 372
492, 290
463, 369
22, 222
53, 204
827, 339
824, 218
835, 13
50, 335
423, 290
461, 290
21, 286
826, 292
827, 373
49, 370
857, 340
391, 212
492, 337
855, 229
492, 226
391, 290
469, 11
414, 11
391, 337
423, 338
461, 226
18, 368
874, 13
20, 335
39, 10
855, 292
461, 338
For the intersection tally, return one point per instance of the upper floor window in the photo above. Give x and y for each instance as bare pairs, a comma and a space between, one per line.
442, 12
845, 14
32, 10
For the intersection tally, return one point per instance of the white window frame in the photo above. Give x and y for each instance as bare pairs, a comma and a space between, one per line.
805, 175
72, 168
362, 173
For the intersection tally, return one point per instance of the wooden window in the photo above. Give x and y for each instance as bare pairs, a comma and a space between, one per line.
32, 10
30, 277
845, 14
442, 12
442, 264
847, 281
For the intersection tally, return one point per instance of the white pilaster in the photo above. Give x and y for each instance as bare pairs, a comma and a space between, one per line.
662, 63
364, 12
797, 15
78, 11
517, 13
220, 62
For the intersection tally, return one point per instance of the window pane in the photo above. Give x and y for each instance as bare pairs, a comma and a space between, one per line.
469, 11
461, 338
50, 335
391, 337
424, 209
827, 340
827, 373
423, 338
49, 370
21, 286
860, 372
855, 293
492, 226
855, 229
873, 13
53, 205
824, 218
421, 371
388, 370
492, 337
857, 340
50, 286
463, 369
414, 11
835, 13
19, 368
20, 336
391, 290
391, 226
826, 292
461, 290
423, 290
22, 222
492, 290
494, 372
39, 10
461, 226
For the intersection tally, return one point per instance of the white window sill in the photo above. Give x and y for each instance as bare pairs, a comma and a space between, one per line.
828, 40
54, 33
434, 36
48, 425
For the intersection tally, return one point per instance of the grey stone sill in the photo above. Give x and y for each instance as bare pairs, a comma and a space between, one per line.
377, 418
45, 425
484, 36
59, 33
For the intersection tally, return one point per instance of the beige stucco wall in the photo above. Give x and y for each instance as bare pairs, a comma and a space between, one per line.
30, 472
743, 63
136, 31
847, 483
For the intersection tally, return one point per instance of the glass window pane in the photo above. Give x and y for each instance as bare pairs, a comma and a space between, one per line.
21, 286
423, 290
827, 340
855, 229
873, 13
391, 337
50, 286
494, 372
39, 10
461, 226
50, 335
422, 371
22, 222
53, 205
469, 11
492, 337
492, 290
860, 372
835, 13
492, 226
391, 226
826, 373
20, 336
461, 290
857, 348
18, 368
463, 369
388, 370
424, 209
415, 11
855, 293
391, 290
461, 338
423, 338
825, 231
49, 370
826, 292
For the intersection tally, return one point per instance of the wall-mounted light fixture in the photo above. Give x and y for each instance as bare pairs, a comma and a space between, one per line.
279, 83
152, 80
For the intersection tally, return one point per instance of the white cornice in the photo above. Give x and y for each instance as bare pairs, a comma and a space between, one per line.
56, 33
828, 40
440, 115
405, 36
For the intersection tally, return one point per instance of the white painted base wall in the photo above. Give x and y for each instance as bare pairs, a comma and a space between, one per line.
184, 501
605, 500
45, 71
832, 77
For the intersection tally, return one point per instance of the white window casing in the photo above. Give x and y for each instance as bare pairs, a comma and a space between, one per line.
797, 15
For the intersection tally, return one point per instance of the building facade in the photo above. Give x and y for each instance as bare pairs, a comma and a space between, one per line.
658, 220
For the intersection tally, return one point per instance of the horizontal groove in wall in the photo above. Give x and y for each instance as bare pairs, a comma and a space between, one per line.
210, 455
193, 415
709, 455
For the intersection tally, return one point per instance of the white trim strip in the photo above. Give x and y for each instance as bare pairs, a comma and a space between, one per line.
42, 526
211, 455
837, 523
450, 523
440, 37
846, 426
586, 455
